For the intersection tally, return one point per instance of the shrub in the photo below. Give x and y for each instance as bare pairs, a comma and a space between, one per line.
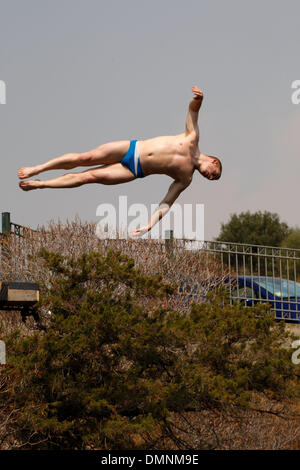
112, 364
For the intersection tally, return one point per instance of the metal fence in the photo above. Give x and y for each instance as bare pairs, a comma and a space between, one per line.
254, 274
9, 227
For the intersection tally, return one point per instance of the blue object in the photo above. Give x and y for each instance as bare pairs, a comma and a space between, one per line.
132, 160
282, 294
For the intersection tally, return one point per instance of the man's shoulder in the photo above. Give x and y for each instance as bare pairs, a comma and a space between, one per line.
193, 136
185, 180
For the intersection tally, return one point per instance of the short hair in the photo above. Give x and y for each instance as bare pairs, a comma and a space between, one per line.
219, 165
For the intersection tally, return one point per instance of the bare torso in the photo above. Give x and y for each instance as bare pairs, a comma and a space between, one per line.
171, 155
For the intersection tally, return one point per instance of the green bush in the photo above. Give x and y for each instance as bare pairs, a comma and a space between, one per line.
113, 364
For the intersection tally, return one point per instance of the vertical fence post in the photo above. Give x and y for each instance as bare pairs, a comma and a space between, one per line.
6, 224
6, 230
2, 353
169, 240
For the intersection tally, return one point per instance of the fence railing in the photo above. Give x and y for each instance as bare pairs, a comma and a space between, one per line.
254, 274
9, 227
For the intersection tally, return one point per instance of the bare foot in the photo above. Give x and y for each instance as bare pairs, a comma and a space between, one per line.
27, 172
29, 185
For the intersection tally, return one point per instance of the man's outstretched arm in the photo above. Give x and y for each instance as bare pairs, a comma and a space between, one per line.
191, 124
174, 191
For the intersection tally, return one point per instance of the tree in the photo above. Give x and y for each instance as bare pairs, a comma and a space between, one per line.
112, 365
292, 240
259, 228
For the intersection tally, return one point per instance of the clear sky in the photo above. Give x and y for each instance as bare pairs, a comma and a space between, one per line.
83, 72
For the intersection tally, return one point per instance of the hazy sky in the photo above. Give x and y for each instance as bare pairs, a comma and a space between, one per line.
83, 72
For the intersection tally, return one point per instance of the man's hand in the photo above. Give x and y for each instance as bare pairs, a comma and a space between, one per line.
140, 231
198, 94
191, 124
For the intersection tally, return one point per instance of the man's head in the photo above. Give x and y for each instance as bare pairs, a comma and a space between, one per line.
210, 167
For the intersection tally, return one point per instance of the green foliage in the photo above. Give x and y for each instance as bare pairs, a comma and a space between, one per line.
292, 240
259, 228
110, 367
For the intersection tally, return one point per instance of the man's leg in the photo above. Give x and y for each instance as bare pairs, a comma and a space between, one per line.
111, 152
115, 173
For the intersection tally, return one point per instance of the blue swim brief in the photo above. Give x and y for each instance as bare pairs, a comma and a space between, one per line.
132, 160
